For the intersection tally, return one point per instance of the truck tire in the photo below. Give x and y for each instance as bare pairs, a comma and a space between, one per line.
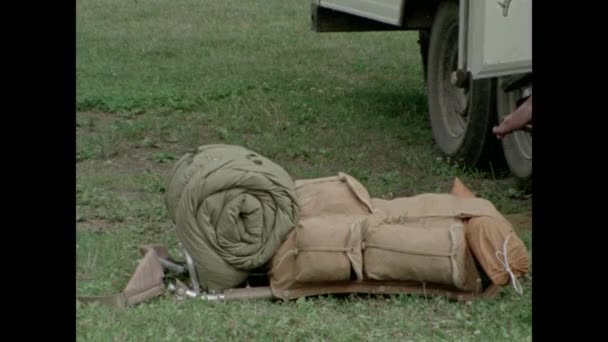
517, 146
461, 118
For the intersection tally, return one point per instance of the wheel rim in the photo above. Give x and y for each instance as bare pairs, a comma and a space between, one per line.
453, 101
517, 145
523, 141
520, 140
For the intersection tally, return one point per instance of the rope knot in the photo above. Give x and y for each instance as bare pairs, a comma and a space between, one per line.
504, 260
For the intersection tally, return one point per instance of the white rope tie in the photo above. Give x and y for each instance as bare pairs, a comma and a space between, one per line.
502, 258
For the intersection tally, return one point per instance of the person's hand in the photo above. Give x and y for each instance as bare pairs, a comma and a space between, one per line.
515, 121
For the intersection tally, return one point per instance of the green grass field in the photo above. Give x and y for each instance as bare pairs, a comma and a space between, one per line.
157, 78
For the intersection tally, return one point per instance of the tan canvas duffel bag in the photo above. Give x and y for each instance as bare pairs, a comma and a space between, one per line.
424, 249
495, 244
341, 194
445, 268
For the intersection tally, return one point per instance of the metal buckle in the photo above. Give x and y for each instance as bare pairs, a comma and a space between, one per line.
193, 276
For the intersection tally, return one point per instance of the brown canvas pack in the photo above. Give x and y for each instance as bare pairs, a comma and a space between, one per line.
427, 249
403, 226
490, 239
325, 203
283, 282
437, 205
328, 248
291, 269
340, 194
290, 279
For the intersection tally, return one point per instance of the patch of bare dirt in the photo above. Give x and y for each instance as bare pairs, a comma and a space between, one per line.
91, 122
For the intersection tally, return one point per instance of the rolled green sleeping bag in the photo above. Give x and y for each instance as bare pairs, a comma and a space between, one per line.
232, 209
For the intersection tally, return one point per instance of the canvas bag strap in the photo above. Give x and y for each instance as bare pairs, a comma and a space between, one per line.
145, 283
